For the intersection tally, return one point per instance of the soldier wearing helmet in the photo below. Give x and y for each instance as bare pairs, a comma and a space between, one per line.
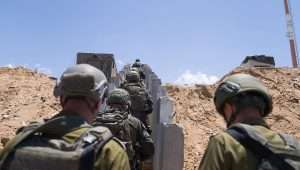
141, 101
139, 75
128, 129
81, 90
243, 101
138, 67
132, 76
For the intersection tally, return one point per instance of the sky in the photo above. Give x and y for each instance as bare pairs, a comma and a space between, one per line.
184, 41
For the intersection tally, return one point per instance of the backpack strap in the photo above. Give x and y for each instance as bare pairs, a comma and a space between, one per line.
290, 140
257, 144
93, 141
17, 140
292, 145
31, 131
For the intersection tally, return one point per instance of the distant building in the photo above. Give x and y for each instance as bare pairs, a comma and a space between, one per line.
258, 61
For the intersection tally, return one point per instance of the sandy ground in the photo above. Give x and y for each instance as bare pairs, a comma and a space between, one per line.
26, 96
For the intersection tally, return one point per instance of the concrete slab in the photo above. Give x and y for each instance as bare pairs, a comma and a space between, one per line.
172, 151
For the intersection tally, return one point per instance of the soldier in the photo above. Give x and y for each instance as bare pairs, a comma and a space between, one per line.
142, 80
137, 63
141, 102
126, 128
138, 66
67, 141
244, 101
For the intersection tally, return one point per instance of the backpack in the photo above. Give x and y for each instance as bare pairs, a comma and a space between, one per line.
117, 122
33, 151
269, 157
138, 97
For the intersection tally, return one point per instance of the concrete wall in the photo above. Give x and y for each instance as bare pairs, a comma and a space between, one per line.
168, 137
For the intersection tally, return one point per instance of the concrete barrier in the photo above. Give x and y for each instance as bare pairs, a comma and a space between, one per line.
168, 137
172, 144
166, 110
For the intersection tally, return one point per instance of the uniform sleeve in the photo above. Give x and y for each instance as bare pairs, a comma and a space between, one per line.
112, 157
214, 157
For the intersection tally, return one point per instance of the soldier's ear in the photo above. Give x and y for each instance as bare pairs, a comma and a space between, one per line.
228, 109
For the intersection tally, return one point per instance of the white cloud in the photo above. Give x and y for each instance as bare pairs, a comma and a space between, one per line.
195, 78
9, 66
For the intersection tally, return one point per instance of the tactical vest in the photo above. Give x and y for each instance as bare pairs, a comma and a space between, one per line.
138, 97
269, 157
117, 123
33, 149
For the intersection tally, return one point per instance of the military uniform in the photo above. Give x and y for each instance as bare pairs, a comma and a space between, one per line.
225, 153
141, 114
111, 157
248, 143
141, 145
141, 137
128, 129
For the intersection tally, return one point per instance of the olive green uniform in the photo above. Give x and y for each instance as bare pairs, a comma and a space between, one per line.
225, 153
142, 137
111, 157
142, 146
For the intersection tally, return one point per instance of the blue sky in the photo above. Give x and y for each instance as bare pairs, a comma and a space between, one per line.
173, 36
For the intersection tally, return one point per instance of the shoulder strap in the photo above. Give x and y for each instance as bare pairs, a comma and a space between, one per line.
24, 135
259, 149
95, 138
290, 140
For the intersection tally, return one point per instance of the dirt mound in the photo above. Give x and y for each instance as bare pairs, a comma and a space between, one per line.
25, 96
196, 113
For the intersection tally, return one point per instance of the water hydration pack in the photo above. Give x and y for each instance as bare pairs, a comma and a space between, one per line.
32, 150
269, 157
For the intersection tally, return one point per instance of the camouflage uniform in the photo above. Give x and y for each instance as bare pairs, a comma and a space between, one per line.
223, 151
138, 66
118, 106
87, 86
132, 85
112, 156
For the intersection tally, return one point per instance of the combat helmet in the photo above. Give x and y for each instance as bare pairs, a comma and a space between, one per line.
118, 96
134, 69
132, 77
237, 84
82, 80
137, 63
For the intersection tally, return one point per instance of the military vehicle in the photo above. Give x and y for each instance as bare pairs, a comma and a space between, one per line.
103, 61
